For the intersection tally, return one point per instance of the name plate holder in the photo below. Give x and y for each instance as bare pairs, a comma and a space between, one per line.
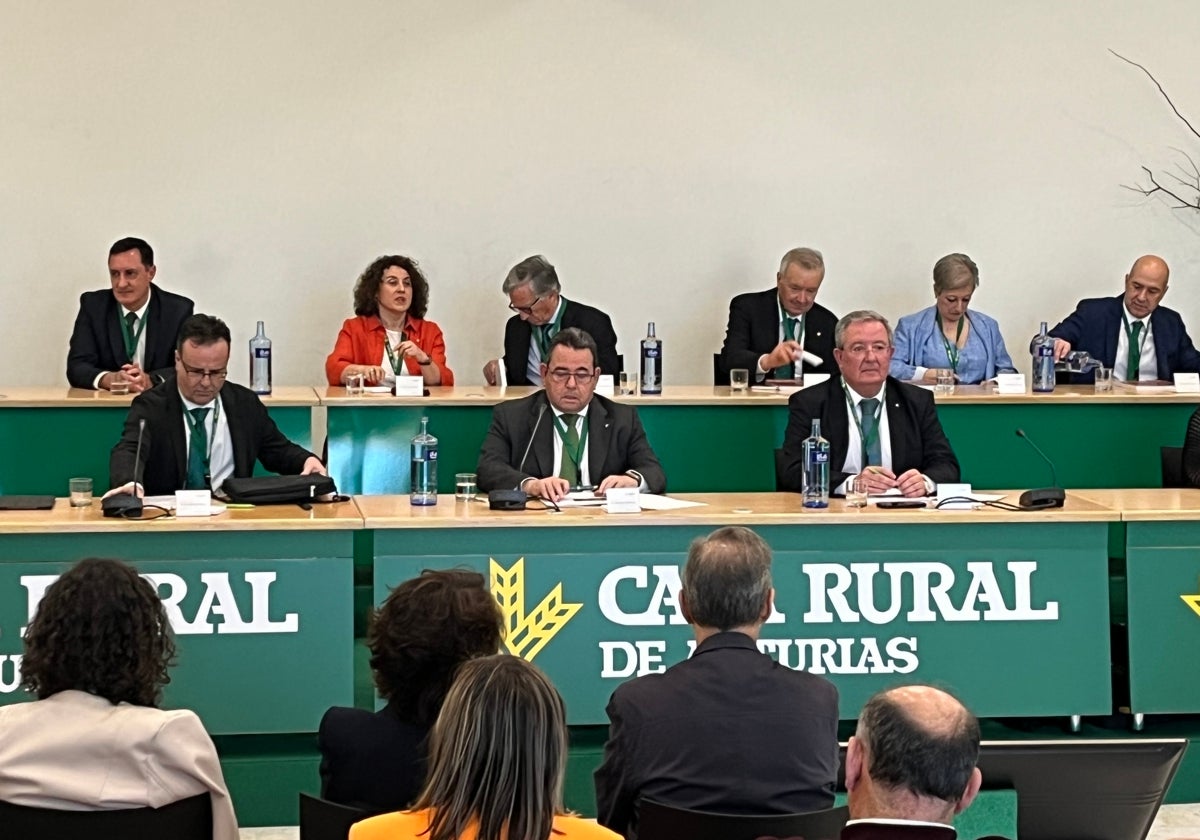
410, 386
1010, 383
1187, 383
193, 503
622, 500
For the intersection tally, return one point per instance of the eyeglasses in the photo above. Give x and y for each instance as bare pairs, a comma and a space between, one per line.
526, 310
198, 374
582, 377
878, 348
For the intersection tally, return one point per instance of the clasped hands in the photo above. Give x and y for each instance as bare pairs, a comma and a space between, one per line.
880, 480
137, 378
556, 489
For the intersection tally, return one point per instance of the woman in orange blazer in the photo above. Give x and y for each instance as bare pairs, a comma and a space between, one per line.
390, 332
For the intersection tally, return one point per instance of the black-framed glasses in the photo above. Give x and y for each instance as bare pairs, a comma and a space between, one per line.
582, 377
526, 310
198, 374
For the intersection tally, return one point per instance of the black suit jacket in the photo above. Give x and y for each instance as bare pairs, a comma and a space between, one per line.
97, 345
375, 761
918, 441
589, 319
253, 433
616, 443
728, 730
1095, 326
754, 330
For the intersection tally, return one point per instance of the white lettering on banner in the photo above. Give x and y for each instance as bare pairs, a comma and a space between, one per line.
639, 658
35, 586
10, 665
666, 594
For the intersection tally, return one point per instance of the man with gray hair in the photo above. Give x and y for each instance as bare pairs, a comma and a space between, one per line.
541, 311
911, 766
729, 730
880, 429
769, 330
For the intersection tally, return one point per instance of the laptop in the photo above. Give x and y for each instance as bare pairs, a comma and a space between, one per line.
26, 502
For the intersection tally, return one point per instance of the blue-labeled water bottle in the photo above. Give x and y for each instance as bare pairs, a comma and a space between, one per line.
651, 362
424, 466
816, 469
260, 362
1043, 362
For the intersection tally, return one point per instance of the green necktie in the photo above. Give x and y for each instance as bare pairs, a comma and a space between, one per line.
788, 371
197, 451
568, 468
870, 429
1135, 353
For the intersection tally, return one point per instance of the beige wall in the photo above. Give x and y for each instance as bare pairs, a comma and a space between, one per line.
663, 155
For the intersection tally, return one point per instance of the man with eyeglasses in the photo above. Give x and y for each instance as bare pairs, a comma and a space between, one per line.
541, 311
200, 429
579, 440
879, 428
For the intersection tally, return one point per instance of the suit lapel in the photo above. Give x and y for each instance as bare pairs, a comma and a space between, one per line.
152, 358
835, 422
542, 454
898, 426
1112, 332
599, 434
112, 320
1158, 326
175, 436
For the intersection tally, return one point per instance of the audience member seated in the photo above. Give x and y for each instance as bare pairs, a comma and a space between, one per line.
878, 427
96, 656
424, 630
584, 440
126, 332
498, 755
390, 335
729, 729
200, 429
535, 295
911, 766
946, 336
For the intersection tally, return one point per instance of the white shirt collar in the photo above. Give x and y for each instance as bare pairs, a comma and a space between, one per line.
140, 313
885, 821
188, 405
1129, 315
856, 397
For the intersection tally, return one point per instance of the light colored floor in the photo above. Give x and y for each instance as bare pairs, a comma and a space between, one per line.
1174, 822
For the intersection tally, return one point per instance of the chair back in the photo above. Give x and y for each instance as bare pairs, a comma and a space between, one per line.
321, 819
779, 466
720, 377
187, 819
657, 821
1171, 458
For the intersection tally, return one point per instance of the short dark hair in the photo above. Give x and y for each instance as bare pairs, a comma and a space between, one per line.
101, 629
366, 290
425, 629
203, 330
727, 578
576, 339
537, 272
903, 755
130, 243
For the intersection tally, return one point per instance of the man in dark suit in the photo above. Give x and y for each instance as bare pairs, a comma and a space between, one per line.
541, 311
127, 332
911, 766
1131, 333
880, 428
578, 439
200, 429
729, 729
769, 330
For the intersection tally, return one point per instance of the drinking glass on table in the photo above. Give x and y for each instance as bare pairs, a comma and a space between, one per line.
856, 491
945, 382
1103, 380
739, 380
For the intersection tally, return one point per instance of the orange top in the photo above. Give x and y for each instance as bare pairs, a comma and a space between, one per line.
403, 825
361, 343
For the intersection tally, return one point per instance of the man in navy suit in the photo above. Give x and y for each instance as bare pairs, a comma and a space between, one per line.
535, 295
878, 427
768, 330
127, 332
1131, 333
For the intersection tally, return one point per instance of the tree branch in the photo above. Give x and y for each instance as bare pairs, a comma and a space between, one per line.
1160, 90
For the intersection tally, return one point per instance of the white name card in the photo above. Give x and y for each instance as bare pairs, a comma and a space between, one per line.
622, 499
961, 493
193, 503
604, 385
410, 386
1187, 383
1010, 383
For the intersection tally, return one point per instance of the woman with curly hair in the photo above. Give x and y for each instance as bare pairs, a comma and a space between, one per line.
497, 759
423, 631
96, 656
390, 335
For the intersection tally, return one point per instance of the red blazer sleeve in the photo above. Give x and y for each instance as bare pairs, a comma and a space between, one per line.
356, 345
428, 336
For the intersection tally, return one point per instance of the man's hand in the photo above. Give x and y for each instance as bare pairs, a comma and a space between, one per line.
616, 481
1061, 348
137, 378
128, 488
552, 488
879, 479
912, 484
786, 352
491, 371
313, 466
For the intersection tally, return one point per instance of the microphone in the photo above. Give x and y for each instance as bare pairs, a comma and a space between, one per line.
1044, 497
516, 499
128, 505
533, 434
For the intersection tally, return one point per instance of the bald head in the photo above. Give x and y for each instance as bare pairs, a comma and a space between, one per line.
1145, 285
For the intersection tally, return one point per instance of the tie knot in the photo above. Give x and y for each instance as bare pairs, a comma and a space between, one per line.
1137, 327
130, 319
198, 414
868, 406
569, 420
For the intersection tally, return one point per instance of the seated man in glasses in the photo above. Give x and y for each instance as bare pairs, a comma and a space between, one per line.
200, 429
541, 311
581, 441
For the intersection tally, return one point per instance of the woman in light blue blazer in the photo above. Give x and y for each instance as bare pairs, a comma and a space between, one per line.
946, 336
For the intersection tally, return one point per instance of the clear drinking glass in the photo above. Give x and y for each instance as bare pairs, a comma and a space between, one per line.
1103, 380
945, 383
627, 383
81, 492
739, 380
354, 385
465, 486
856, 491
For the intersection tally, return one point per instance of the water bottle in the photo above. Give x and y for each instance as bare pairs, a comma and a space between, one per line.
424, 466
816, 468
651, 362
1043, 362
260, 362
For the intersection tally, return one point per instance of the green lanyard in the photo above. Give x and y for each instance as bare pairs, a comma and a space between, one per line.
542, 336
395, 358
576, 456
864, 439
131, 339
193, 423
951, 349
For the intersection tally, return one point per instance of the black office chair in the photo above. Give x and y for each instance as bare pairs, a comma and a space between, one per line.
1171, 458
779, 465
321, 819
662, 822
187, 819
720, 377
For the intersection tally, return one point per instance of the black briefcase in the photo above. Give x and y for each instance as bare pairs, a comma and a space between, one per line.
279, 489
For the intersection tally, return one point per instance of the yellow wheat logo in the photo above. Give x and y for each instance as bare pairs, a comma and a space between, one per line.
528, 632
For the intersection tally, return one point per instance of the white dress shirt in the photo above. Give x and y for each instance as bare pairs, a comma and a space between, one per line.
1148, 364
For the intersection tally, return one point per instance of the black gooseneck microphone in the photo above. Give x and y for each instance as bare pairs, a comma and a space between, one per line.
1043, 497
532, 435
128, 505
516, 499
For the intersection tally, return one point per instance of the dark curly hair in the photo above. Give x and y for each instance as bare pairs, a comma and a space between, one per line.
365, 291
423, 631
101, 629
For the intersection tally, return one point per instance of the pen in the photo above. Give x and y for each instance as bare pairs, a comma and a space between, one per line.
232, 506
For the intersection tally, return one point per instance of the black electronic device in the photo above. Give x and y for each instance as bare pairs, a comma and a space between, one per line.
507, 499
897, 504
1041, 498
26, 502
127, 505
